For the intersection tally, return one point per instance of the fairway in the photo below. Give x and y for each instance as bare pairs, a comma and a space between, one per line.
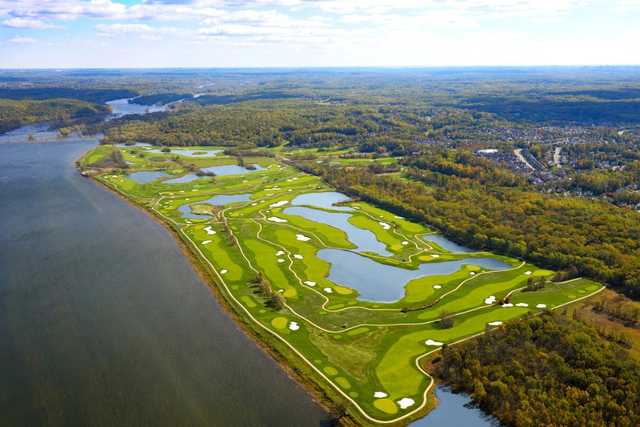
272, 253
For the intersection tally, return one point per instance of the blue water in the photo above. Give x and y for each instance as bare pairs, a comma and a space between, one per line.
183, 179
121, 107
231, 170
186, 212
385, 283
364, 240
452, 412
446, 244
146, 176
225, 199
325, 200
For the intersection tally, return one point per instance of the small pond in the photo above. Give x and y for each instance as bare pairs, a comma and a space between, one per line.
364, 240
445, 243
226, 199
186, 212
452, 411
325, 200
183, 179
231, 170
146, 177
379, 282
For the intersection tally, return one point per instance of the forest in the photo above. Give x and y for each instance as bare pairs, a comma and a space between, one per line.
546, 370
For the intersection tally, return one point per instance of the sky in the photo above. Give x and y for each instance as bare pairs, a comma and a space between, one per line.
317, 33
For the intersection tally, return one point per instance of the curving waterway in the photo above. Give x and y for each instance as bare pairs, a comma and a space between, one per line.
103, 322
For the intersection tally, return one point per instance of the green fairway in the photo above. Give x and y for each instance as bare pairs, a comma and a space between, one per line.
361, 351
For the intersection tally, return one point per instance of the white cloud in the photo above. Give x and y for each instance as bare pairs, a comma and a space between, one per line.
22, 40
30, 23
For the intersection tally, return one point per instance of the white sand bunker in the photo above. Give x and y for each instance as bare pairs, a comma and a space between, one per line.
385, 225
298, 256
437, 287
224, 271
522, 304
294, 326
496, 323
280, 260
431, 342
527, 273
254, 204
473, 273
541, 306
405, 402
209, 230
276, 219
279, 253
302, 238
435, 256
490, 300
405, 243
380, 395
206, 242
310, 283
279, 204
507, 305
328, 290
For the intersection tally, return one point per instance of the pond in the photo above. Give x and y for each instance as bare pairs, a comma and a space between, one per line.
231, 170
364, 240
452, 411
445, 243
226, 199
186, 212
183, 179
146, 177
379, 282
122, 107
324, 200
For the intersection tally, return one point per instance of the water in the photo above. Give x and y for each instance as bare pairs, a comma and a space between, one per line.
103, 321
146, 177
121, 107
379, 282
325, 200
452, 412
446, 244
226, 199
183, 179
186, 212
231, 170
364, 240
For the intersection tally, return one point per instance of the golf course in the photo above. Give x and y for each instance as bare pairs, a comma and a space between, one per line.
354, 298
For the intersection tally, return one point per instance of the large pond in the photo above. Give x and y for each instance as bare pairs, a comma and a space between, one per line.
379, 282
145, 177
122, 107
446, 244
231, 170
453, 410
226, 199
183, 179
364, 240
186, 212
324, 200
105, 323
186, 152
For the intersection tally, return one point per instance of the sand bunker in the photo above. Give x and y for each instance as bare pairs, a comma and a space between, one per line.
206, 242
527, 273
209, 230
435, 256
280, 260
522, 304
385, 225
276, 219
224, 271
279, 253
490, 300
508, 305
298, 256
328, 290
405, 243
279, 204
380, 395
431, 342
437, 287
302, 238
405, 402
294, 326
310, 283
541, 306
496, 323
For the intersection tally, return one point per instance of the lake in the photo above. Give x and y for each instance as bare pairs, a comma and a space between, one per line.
121, 107
324, 200
452, 411
445, 243
145, 177
104, 322
379, 282
231, 170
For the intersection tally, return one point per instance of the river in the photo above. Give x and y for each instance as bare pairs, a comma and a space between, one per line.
103, 322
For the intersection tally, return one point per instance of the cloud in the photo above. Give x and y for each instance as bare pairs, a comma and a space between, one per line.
22, 40
31, 23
